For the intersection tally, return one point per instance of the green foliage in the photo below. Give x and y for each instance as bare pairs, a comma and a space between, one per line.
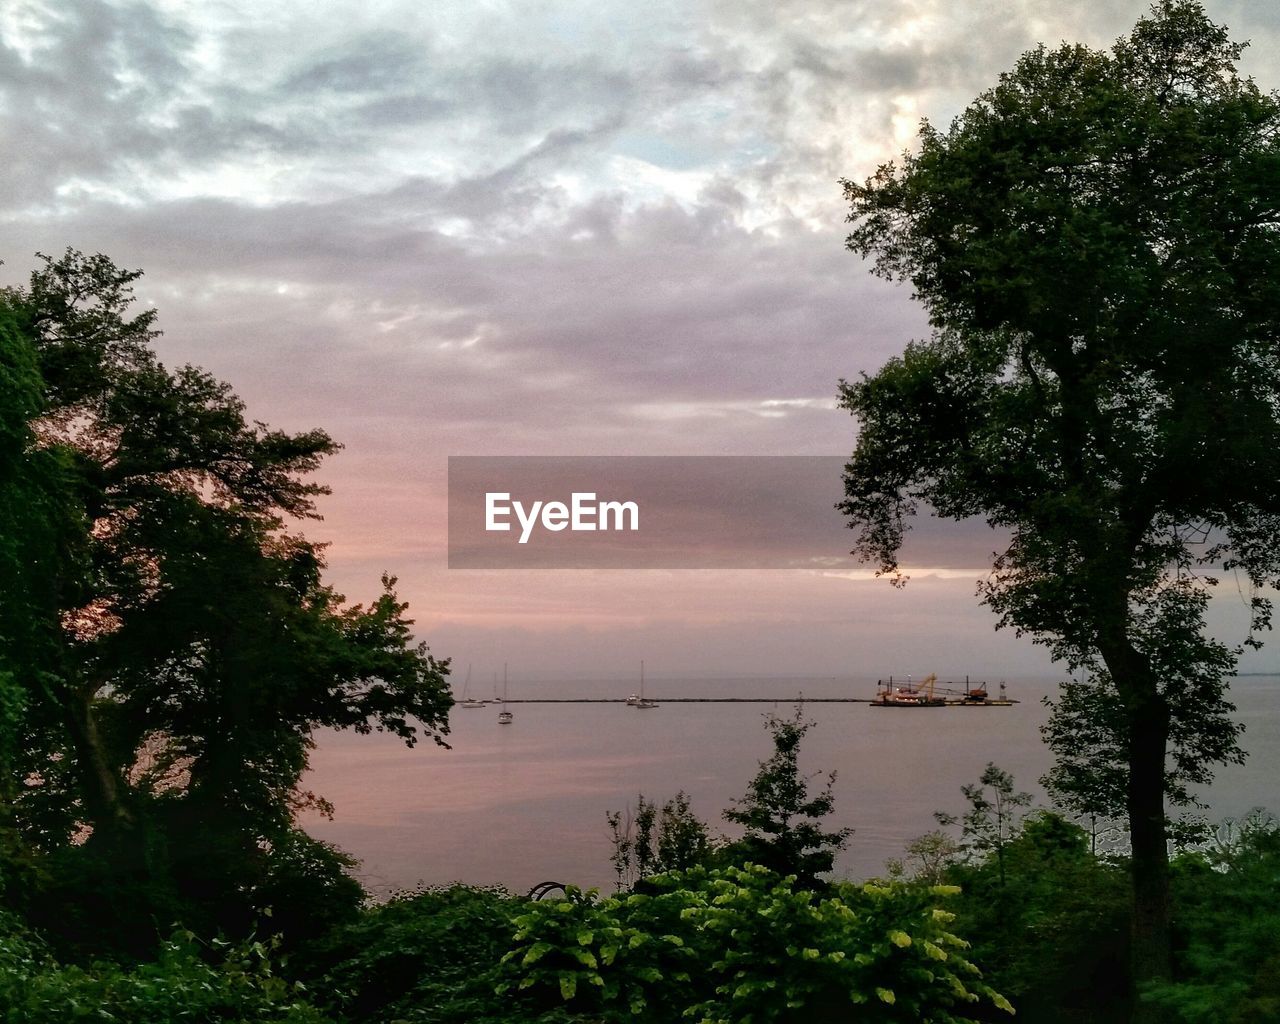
1095, 240
40, 531
656, 841
926, 858
1087, 733
725, 943
1227, 928
782, 821
1052, 936
36, 515
738, 944
426, 957
992, 817
617, 958
1049, 926
684, 841
168, 646
308, 887
185, 984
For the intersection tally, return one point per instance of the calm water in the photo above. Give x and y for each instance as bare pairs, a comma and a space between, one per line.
523, 803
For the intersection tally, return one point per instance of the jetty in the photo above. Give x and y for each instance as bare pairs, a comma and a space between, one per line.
746, 700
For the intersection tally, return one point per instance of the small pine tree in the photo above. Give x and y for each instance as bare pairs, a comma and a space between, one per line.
783, 822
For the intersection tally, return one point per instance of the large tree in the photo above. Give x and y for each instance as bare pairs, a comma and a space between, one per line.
168, 648
1096, 242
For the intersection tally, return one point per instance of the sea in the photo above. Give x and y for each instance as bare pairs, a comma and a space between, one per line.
519, 804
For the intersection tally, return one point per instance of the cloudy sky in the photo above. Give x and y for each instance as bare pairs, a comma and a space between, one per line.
528, 228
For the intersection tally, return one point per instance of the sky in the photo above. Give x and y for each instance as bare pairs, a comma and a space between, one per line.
492, 228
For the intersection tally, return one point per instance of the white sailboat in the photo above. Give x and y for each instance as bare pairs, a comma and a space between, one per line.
638, 700
469, 702
505, 717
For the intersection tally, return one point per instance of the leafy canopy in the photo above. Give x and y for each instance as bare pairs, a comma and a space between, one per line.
1096, 241
166, 637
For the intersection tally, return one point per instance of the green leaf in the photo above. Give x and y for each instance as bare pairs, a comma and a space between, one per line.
536, 952
886, 995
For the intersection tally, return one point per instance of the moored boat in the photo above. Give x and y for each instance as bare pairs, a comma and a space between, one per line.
637, 700
468, 701
505, 717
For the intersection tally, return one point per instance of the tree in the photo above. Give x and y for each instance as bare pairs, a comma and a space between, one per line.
1229, 925
926, 858
39, 533
656, 841
992, 818
1096, 240
1049, 923
190, 646
783, 823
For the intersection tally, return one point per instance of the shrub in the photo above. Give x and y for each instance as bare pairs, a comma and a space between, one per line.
1227, 928
180, 986
744, 943
424, 957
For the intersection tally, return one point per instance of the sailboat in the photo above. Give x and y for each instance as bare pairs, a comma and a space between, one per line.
638, 700
469, 702
505, 717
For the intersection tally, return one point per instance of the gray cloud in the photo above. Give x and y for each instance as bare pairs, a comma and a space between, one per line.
600, 229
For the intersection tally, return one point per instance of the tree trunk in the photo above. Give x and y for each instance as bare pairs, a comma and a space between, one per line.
1148, 738
1152, 954
100, 786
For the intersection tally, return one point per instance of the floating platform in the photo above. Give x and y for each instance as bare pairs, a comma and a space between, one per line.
930, 693
753, 700
1001, 703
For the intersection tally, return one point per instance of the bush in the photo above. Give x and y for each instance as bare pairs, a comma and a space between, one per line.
739, 944
1227, 928
181, 985
425, 957
1053, 932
